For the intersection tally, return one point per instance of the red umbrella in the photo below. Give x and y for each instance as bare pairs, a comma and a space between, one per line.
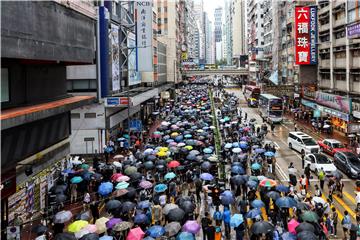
173, 164
115, 176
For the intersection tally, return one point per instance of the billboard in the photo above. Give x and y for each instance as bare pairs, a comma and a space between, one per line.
133, 74
115, 55
353, 31
337, 102
306, 35
144, 15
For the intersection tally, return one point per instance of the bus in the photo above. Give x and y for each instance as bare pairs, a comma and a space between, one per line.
251, 91
271, 108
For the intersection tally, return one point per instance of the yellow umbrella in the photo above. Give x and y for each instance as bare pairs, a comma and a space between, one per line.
101, 225
164, 149
174, 134
189, 148
77, 226
162, 154
200, 130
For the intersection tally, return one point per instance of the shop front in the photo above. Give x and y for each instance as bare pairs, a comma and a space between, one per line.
339, 120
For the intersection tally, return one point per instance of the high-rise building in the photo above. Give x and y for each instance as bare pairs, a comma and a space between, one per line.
239, 33
228, 32
198, 13
218, 16
209, 39
191, 31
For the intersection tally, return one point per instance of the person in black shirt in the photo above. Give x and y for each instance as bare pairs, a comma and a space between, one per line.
94, 208
307, 173
210, 232
205, 221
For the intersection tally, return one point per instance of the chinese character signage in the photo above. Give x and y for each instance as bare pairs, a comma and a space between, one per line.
144, 36
353, 31
133, 74
306, 35
337, 102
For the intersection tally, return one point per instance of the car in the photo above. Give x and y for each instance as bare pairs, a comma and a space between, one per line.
302, 143
348, 162
331, 146
320, 161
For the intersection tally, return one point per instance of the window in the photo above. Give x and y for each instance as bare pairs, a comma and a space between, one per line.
4, 85
165, 9
356, 53
75, 115
340, 55
340, 77
340, 34
90, 115
165, 20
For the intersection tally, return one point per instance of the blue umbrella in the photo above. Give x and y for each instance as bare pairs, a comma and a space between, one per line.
257, 203
269, 154
227, 197
286, 202
237, 169
235, 144
155, 231
109, 149
105, 188
228, 145
191, 157
243, 145
282, 188
87, 175
160, 188
236, 220
169, 175
185, 236
140, 218
68, 171
259, 150
253, 213
207, 150
169, 140
76, 179
143, 204
251, 184
206, 176
179, 138
255, 166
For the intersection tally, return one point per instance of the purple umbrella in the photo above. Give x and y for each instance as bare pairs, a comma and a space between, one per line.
191, 227
206, 176
145, 184
112, 222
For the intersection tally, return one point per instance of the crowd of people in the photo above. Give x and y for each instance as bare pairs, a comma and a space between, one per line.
181, 185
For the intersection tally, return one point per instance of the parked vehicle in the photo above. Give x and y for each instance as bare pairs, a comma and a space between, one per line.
320, 161
348, 162
331, 146
302, 143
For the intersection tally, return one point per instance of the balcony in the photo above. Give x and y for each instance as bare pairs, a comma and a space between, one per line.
337, 3
355, 87
341, 85
324, 83
324, 10
324, 27
355, 62
339, 22
340, 63
339, 42
324, 63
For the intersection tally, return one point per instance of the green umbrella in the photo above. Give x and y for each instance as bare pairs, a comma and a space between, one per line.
130, 170
122, 185
84, 166
309, 216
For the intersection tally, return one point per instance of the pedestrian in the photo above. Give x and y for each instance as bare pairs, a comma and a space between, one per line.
307, 172
302, 159
226, 218
295, 127
205, 222
218, 217
246, 115
239, 230
321, 176
94, 208
317, 192
302, 182
210, 233
73, 193
346, 223
272, 126
86, 200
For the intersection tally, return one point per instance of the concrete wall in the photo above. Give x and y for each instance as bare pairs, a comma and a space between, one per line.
46, 30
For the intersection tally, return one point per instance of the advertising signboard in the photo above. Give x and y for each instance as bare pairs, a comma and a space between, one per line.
133, 74
337, 102
115, 61
144, 30
353, 31
306, 35
117, 102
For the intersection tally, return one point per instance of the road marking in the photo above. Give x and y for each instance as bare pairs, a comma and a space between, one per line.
338, 212
348, 196
282, 173
276, 145
342, 203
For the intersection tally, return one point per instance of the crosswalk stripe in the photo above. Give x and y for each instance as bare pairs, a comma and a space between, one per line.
337, 211
348, 196
342, 203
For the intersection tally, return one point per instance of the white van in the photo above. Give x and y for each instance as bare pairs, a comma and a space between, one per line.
302, 143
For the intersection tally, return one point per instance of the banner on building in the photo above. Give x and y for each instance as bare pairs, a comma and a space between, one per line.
115, 57
117, 102
133, 74
306, 35
144, 30
353, 31
337, 102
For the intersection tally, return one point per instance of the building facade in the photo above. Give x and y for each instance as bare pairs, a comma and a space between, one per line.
239, 32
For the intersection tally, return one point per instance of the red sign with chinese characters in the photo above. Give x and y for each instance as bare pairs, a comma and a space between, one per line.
302, 35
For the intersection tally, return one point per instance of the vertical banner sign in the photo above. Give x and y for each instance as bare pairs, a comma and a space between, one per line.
306, 35
115, 55
144, 23
133, 76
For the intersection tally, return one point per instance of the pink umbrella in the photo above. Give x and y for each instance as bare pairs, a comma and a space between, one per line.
91, 228
115, 176
135, 234
145, 184
122, 178
292, 224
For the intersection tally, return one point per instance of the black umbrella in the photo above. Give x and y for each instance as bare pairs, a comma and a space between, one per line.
65, 236
273, 195
112, 204
303, 206
305, 226
39, 229
239, 179
135, 176
60, 198
149, 165
182, 199
261, 227
160, 162
187, 206
131, 193
127, 206
90, 236
176, 215
83, 216
306, 235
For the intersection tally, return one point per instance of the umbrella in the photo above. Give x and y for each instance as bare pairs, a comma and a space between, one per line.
149, 165
306, 235
188, 136
83, 216
286, 202
169, 207
145, 184
148, 151
60, 189
144, 204
173, 164
84, 166
127, 206
122, 226
90, 236
155, 231
309, 216
194, 152
259, 150
191, 226
135, 234
292, 224
105, 188
251, 184
140, 218
135, 176
169, 176
106, 237
172, 228
122, 185
282, 188
91, 228
236, 150
101, 225
160, 188
115, 176
255, 166
207, 150
228, 145
185, 236
112, 222
261, 227
257, 203
253, 213
119, 193
206, 176
239, 179
39, 229
187, 206
303, 206
236, 220
337, 174
65, 236
319, 200
76, 179
205, 165
176, 214
237, 169
130, 170
191, 157
62, 217
267, 183
288, 236
305, 226
227, 197
77, 225
273, 195
269, 154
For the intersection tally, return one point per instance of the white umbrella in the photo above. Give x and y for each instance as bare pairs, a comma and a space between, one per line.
118, 156
236, 150
148, 151
62, 217
116, 164
318, 200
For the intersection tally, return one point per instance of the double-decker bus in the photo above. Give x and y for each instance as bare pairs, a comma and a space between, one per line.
251, 91
271, 108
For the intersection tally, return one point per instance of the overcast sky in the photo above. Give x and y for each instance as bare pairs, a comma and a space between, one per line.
210, 5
